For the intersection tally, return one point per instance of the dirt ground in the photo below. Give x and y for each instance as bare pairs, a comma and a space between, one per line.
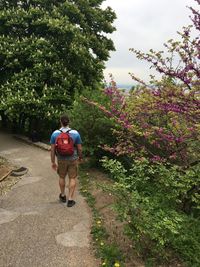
6, 179
114, 227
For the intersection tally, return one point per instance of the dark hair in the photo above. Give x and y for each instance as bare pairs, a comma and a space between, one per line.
64, 120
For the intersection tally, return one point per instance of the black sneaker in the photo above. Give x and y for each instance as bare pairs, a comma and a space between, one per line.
62, 198
71, 203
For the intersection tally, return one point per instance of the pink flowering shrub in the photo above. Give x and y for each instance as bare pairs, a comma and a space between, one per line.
167, 119
157, 130
161, 122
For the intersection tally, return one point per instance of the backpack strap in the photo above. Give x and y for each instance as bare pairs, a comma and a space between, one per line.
64, 132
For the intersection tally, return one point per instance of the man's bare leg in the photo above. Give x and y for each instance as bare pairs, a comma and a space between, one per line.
62, 185
72, 186
62, 195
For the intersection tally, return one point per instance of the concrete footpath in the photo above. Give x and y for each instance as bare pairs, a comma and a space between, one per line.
35, 229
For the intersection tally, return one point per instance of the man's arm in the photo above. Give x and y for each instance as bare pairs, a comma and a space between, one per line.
79, 150
53, 157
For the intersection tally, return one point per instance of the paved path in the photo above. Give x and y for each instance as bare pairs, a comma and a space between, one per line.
35, 229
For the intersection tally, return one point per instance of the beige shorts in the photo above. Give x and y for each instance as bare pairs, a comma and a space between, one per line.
69, 167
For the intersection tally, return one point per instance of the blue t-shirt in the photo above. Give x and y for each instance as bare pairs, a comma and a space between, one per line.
74, 135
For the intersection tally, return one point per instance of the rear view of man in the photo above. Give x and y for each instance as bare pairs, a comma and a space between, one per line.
67, 164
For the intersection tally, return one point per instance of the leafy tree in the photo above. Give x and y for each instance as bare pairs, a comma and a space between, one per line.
49, 50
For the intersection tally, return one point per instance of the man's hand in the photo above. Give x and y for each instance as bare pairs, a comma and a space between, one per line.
54, 166
80, 156
80, 160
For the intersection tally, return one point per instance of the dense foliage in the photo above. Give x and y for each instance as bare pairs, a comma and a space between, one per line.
94, 127
153, 200
158, 134
48, 51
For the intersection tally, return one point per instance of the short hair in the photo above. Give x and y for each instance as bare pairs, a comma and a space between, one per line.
64, 120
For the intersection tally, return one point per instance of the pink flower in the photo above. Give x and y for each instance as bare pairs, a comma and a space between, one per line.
156, 158
173, 156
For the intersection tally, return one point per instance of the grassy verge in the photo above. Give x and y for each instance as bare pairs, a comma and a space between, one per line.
108, 252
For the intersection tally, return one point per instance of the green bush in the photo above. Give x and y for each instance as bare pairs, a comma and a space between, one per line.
94, 127
160, 205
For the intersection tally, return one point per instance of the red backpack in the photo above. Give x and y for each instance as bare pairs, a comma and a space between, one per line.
64, 144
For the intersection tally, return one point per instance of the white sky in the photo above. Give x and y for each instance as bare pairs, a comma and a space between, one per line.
143, 24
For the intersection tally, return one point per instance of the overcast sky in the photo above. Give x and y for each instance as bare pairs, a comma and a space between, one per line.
143, 24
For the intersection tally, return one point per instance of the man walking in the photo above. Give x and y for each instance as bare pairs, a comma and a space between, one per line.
67, 164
